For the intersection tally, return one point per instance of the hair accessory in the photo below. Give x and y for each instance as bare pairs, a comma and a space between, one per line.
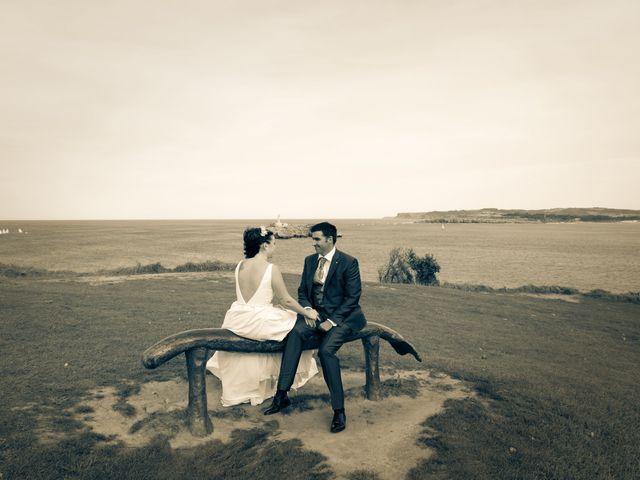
263, 231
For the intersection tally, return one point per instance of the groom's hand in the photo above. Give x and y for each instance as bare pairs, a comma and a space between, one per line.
325, 326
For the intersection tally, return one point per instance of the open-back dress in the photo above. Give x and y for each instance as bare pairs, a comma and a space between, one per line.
252, 377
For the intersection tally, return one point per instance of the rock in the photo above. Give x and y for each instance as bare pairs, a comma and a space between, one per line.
287, 231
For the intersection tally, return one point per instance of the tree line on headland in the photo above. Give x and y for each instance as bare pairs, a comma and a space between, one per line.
496, 215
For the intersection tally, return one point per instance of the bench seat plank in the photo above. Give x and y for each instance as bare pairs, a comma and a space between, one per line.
222, 339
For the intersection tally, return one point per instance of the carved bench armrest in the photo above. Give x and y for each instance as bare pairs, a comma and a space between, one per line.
397, 341
209, 338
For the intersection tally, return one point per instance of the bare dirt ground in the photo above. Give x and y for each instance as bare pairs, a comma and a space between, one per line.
553, 296
380, 436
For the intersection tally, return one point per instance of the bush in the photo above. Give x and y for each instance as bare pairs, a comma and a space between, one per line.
405, 266
139, 269
16, 271
207, 266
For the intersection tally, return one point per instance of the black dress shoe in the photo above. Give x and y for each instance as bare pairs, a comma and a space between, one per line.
339, 422
278, 404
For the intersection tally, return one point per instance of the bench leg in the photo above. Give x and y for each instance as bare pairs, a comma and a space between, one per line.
371, 351
197, 417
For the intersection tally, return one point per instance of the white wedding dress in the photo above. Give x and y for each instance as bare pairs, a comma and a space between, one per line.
252, 377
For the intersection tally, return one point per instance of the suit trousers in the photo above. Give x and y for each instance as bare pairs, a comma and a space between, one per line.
330, 343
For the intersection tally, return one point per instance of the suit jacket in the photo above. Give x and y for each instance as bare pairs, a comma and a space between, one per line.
342, 289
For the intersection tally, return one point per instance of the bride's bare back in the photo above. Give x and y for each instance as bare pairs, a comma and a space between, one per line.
250, 275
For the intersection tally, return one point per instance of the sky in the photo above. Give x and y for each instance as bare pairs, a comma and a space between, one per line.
338, 109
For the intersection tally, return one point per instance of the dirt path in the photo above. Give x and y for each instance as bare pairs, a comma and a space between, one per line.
380, 436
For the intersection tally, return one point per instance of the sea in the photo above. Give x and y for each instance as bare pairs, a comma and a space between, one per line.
585, 256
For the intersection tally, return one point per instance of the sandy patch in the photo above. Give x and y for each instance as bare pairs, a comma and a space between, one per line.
380, 436
555, 296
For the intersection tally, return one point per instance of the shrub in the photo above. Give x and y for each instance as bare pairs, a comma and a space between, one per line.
16, 271
398, 269
139, 269
426, 268
633, 297
207, 266
405, 266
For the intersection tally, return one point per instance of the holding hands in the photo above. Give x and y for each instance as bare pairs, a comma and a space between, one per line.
325, 326
310, 316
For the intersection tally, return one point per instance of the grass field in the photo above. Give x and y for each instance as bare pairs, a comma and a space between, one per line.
557, 382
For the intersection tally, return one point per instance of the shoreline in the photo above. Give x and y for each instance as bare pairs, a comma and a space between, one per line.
584, 256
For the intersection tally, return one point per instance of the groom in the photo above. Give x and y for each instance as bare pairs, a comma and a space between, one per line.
331, 285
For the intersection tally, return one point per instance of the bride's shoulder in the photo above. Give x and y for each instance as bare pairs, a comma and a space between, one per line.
275, 270
247, 265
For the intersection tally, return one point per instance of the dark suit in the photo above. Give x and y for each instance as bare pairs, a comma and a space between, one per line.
336, 300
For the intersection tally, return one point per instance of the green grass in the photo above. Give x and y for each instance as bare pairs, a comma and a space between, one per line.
549, 373
631, 297
15, 271
557, 382
249, 454
544, 289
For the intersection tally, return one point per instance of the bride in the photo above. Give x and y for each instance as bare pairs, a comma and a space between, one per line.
252, 377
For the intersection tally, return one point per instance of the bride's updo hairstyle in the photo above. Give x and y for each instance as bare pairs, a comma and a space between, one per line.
253, 238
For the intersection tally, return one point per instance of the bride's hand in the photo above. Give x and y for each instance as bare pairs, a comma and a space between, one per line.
310, 315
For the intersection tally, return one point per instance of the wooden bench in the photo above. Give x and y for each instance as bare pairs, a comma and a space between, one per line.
195, 343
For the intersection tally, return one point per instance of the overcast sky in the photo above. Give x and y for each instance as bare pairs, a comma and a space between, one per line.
316, 109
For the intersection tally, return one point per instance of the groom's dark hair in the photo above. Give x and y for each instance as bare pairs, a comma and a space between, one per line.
327, 229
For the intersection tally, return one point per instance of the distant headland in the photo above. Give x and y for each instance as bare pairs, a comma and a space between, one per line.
496, 215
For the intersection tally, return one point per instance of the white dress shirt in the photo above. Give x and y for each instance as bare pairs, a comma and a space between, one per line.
328, 257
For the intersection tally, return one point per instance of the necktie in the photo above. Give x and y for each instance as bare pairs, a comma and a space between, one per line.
318, 276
